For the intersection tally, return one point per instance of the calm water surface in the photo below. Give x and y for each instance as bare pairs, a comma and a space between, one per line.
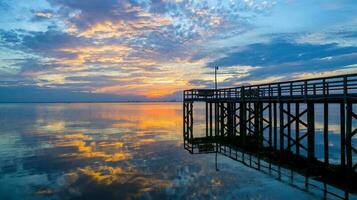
116, 151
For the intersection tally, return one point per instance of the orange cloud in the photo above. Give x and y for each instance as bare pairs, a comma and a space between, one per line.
44, 14
125, 28
104, 53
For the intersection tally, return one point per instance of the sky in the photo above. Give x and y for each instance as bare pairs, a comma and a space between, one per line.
120, 50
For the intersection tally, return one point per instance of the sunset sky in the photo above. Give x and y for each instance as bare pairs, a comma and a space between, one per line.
106, 50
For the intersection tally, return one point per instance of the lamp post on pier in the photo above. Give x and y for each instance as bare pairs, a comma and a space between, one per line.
215, 77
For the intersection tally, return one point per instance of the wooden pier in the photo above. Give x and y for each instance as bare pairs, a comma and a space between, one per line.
276, 123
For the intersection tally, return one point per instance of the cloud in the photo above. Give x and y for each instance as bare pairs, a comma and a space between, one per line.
8, 37
47, 44
37, 94
42, 15
58, 56
11, 80
280, 57
200, 83
107, 18
4, 5
349, 34
125, 29
134, 46
50, 42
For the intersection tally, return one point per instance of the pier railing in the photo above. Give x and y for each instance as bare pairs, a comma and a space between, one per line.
334, 88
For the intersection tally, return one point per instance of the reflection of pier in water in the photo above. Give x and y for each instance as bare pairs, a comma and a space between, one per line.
276, 124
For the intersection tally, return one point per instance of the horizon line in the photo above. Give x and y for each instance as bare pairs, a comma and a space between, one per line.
139, 101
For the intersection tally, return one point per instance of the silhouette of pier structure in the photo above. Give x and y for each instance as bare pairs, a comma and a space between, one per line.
276, 123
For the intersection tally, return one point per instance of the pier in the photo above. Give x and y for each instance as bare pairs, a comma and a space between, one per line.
276, 123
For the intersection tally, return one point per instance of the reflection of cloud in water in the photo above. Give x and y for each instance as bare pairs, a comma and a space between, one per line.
90, 182
114, 151
88, 150
55, 126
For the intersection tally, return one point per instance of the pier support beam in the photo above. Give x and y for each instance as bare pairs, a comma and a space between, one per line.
216, 124
256, 108
275, 126
311, 131
343, 134
207, 118
350, 149
297, 129
281, 116
243, 121
326, 153
210, 119
187, 123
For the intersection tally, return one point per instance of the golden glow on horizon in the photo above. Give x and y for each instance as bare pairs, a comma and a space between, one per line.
149, 90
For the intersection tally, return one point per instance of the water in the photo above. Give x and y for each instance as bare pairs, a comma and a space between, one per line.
116, 151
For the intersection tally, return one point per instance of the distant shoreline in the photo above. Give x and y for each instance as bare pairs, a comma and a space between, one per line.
69, 102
